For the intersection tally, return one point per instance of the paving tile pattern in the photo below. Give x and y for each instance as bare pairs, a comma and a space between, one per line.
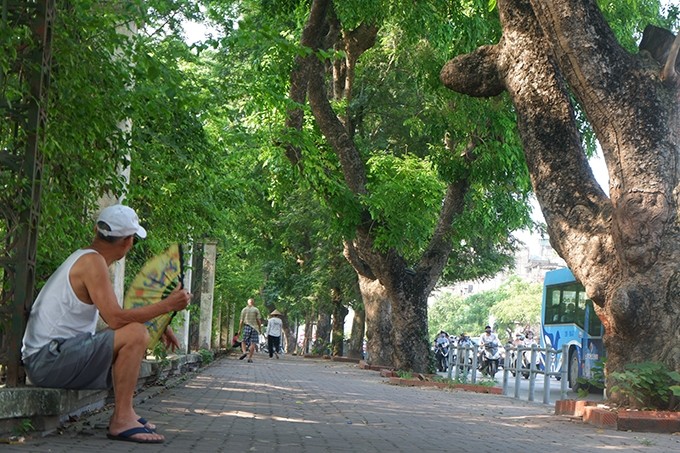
302, 405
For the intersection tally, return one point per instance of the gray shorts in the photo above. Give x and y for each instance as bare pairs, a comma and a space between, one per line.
82, 362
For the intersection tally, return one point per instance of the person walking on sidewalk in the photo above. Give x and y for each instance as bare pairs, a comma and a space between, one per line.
250, 325
60, 346
274, 328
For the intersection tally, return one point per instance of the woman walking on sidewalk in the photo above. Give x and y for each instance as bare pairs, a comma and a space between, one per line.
274, 328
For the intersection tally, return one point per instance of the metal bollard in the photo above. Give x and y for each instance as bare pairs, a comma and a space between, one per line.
506, 370
532, 373
450, 362
474, 363
546, 375
565, 375
518, 372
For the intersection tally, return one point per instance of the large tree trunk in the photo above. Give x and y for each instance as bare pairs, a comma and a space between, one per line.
290, 335
379, 348
309, 330
338, 328
409, 330
625, 249
323, 333
356, 339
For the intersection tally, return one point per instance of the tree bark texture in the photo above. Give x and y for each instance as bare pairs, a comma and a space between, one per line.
323, 332
356, 339
338, 328
625, 247
379, 347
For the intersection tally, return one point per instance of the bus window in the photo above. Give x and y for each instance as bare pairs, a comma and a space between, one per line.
581, 309
552, 309
569, 305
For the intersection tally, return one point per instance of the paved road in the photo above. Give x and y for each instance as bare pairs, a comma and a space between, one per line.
302, 405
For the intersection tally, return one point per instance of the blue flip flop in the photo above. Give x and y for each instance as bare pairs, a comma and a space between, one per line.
126, 436
144, 421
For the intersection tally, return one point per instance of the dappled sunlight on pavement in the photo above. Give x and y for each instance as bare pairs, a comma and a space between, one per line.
306, 405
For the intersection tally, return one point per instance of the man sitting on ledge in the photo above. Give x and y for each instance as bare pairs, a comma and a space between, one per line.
60, 346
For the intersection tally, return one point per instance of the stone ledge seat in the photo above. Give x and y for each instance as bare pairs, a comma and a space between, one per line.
48, 408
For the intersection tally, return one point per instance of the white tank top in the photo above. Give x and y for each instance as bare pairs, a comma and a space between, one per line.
57, 312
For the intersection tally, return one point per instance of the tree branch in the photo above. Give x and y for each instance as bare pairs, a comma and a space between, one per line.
576, 210
299, 77
669, 74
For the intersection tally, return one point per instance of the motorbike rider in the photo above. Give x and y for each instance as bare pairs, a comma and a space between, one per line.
441, 347
442, 339
488, 340
529, 339
488, 337
464, 340
519, 340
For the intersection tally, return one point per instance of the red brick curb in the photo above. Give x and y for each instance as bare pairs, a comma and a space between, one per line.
343, 359
365, 366
649, 421
623, 420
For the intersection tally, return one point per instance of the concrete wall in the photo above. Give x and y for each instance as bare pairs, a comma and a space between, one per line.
47, 409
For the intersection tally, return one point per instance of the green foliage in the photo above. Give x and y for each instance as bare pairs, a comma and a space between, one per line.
405, 374
404, 191
520, 305
161, 354
455, 314
628, 18
596, 381
486, 382
514, 303
23, 427
206, 355
648, 385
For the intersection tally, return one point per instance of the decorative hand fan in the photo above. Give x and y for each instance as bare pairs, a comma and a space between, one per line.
154, 282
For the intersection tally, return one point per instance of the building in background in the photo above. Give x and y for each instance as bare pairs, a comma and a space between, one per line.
532, 261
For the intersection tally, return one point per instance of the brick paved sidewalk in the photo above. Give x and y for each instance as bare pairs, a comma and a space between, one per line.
296, 405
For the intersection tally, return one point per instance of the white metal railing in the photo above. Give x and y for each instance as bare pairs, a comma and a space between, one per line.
463, 359
550, 356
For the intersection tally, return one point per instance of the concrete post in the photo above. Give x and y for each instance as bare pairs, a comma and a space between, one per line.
217, 335
182, 331
207, 291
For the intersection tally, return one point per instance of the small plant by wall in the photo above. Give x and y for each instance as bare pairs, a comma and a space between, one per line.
648, 385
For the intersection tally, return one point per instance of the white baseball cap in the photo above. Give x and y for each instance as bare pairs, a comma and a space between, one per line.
122, 221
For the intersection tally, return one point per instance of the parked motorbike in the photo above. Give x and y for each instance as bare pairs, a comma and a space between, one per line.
490, 357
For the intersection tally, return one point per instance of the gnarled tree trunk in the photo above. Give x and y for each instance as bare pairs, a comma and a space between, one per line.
356, 339
624, 248
379, 347
338, 327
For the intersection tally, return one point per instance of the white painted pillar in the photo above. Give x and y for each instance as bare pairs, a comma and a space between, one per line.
207, 291
182, 331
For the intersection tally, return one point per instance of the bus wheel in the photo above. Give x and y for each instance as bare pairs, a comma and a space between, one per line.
573, 371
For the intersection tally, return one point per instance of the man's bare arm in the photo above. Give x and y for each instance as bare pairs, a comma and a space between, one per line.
90, 280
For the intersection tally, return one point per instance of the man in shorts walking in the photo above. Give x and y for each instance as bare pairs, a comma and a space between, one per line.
61, 348
250, 325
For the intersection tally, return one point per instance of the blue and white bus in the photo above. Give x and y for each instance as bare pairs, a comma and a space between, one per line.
568, 317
